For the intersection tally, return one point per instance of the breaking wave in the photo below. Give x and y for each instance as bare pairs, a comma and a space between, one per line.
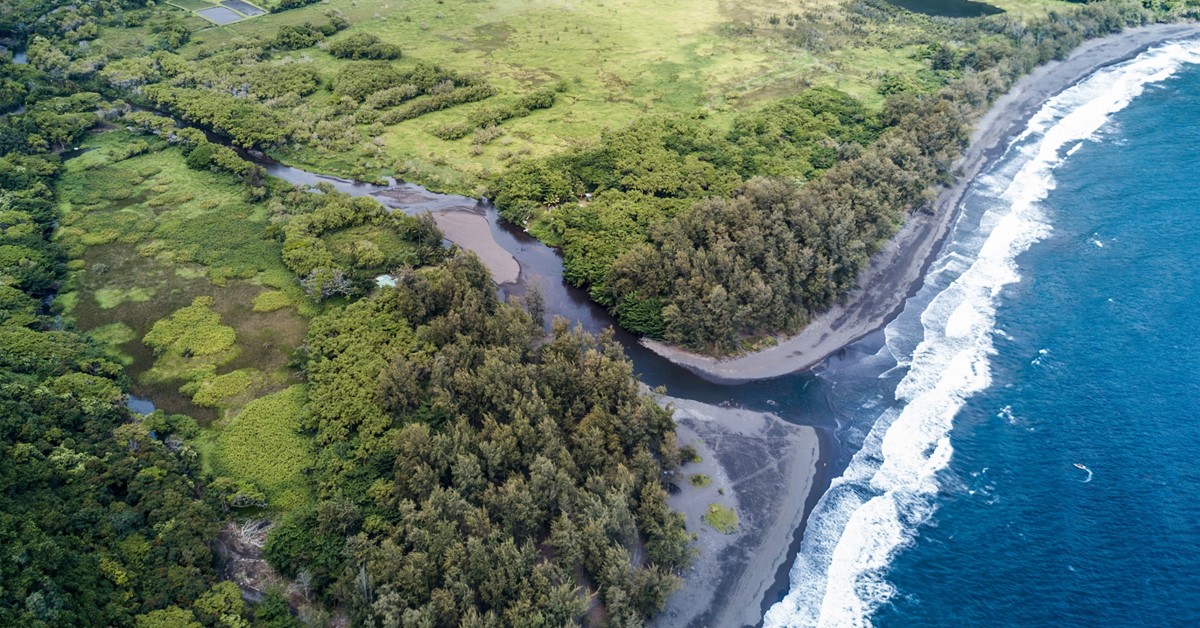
944, 339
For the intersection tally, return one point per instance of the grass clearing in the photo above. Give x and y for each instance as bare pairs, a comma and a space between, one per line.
618, 59
721, 518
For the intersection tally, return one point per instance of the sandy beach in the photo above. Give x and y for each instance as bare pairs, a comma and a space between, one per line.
764, 469
462, 221
896, 272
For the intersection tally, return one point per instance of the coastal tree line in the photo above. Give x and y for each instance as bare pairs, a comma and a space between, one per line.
717, 240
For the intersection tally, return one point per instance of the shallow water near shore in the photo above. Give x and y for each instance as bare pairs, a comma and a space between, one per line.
1031, 462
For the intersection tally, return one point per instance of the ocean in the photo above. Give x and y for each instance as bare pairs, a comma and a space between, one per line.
1027, 437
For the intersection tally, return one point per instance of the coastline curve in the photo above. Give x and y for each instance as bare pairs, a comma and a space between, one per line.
944, 346
898, 270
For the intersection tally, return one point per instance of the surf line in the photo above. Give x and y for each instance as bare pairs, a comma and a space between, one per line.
891, 485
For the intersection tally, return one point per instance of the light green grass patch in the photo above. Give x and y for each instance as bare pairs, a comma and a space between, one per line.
263, 444
699, 480
215, 391
108, 298
721, 518
271, 300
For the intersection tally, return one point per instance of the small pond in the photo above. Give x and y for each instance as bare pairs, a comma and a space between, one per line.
220, 15
241, 6
948, 8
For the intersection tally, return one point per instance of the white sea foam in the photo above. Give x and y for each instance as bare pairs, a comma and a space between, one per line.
890, 486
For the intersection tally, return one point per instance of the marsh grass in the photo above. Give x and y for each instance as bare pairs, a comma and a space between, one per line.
168, 237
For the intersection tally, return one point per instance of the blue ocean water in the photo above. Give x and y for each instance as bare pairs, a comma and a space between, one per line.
1035, 454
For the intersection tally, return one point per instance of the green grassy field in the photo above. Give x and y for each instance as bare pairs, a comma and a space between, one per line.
618, 59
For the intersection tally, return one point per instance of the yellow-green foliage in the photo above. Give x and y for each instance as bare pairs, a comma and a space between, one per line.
722, 518
699, 480
190, 344
263, 444
195, 329
271, 300
82, 385
213, 391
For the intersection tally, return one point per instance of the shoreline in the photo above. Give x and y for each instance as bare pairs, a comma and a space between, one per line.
767, 471
898, 270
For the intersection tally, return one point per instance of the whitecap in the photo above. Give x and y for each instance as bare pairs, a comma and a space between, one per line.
891, 484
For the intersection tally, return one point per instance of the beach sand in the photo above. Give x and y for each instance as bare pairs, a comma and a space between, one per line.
462, 221
471, 231
896, 272
764, 469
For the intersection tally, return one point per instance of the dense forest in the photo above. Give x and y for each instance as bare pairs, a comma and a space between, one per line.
714, 240
485, 474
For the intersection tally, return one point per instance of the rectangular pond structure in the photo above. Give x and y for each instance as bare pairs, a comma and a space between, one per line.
243, 7
220, 15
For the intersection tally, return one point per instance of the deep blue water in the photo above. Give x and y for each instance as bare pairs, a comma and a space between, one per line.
1099, 365
1029, 450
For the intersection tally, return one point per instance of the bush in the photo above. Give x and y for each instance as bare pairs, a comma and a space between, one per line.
363, 46
452, 131
437, 102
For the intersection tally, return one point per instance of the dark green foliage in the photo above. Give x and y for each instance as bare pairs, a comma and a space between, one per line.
363, 46
284, 5
101, 521
246, 123
329, 265
486, 470
359, 80
494, 115
303, 35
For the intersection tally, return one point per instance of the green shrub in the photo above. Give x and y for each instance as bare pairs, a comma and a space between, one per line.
363, 46
211, 392
721, 518
263, 444
195, 330
271, 300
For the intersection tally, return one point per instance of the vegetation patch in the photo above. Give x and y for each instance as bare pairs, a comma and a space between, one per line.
721, 518
108, 298
263, 445
195, 330
112, 337
699, 480
272, 300
214, 391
